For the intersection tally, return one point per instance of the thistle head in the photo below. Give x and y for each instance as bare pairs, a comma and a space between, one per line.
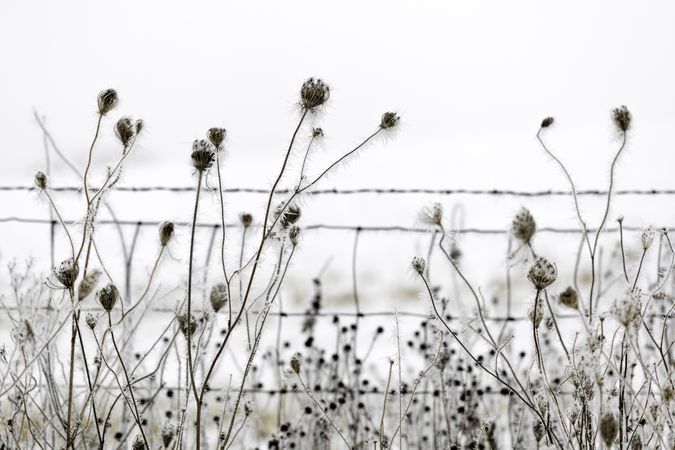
126, 129
203, 155
523, 225
139, 443
66, 273
165, 233
542, 274
314, 93
218, 297
107, 296
389, 120
41, 180
168, 433
622, 118
107, 100
216, 136
418, 265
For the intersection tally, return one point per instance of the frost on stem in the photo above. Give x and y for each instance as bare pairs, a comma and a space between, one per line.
126, 129
107, 100
432, 215
542, 274
569, 298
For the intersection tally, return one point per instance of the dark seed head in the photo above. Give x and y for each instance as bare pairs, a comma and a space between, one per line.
108, 296
314, 93
389, 120
203, 155
547, 122
216, 136
107, 100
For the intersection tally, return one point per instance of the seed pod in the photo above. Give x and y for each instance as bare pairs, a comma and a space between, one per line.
125, 129
622, 118
88, 283
547, 122
317, 132
246, 219
294, 234
314, 93
187, 325
647, 237
107, 100
66, 273
542, 274
289, 215
91, 320
418, 264
41, 180
569, 298
609, 428
523, 225
108, 296
139, 443
296, 362
389, 120
165, 233
218, 296
203, 155
536, 315
216, 136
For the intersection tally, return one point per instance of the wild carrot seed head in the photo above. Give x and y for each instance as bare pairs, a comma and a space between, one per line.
41, 180
216, 136
314, 93
107, 296
389, 120
622, 118
107, 100
203, 155
542, 274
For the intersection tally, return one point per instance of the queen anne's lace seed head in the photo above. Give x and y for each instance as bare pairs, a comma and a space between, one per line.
41, 180
294, 234
218, 297
246, 219
296, 362
418, 265
66, 273
622, 118
203, 155
107, 100
125, 129
523, 225
107, 296
91, 320
188, 326
647, 237
165, 233
542, 274
314, 93
389, 120
547, 122
569, 298
627, 309
609, 428
216, 136
168, 433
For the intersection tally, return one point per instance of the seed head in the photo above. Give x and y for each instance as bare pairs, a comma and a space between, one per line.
203, 155
66, 273
294, 234
88, 283
569, 298
107, 296
538, 430
107, 100
536, 315
91, 320
139, 443
547, 122
314, 93
609, 428
523, 225
187, 326
317, 132
418, 265
125, 129
218, 297
246, 219
647, 237
389, 120
622, 118
627, 309
289, 215
542, 274
216, 136
168, 433
296, 362
41, 180
139, 126
432, 215
165, 233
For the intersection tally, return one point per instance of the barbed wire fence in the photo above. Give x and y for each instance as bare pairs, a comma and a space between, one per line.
357, 229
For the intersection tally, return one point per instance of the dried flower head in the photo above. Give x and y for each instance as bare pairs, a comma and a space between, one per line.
107, 296
547, 122
569, 298
41, 180
88, 283
168, 433
296, 362
139, 126
125, 129
647, 237
294, 234
389, 120
91, 320
66, 273
246, 219
622, 118
218, 297
139, 443
523, 225
107, 100
536, 315
187, 326
317, 132
165, 232
538, 431
216, 136
609, 428
314, 93
203, 155
432, 215
289, 215
418, 265
627, 309
542, 274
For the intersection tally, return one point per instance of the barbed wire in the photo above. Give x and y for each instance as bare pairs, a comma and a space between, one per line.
354, 191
